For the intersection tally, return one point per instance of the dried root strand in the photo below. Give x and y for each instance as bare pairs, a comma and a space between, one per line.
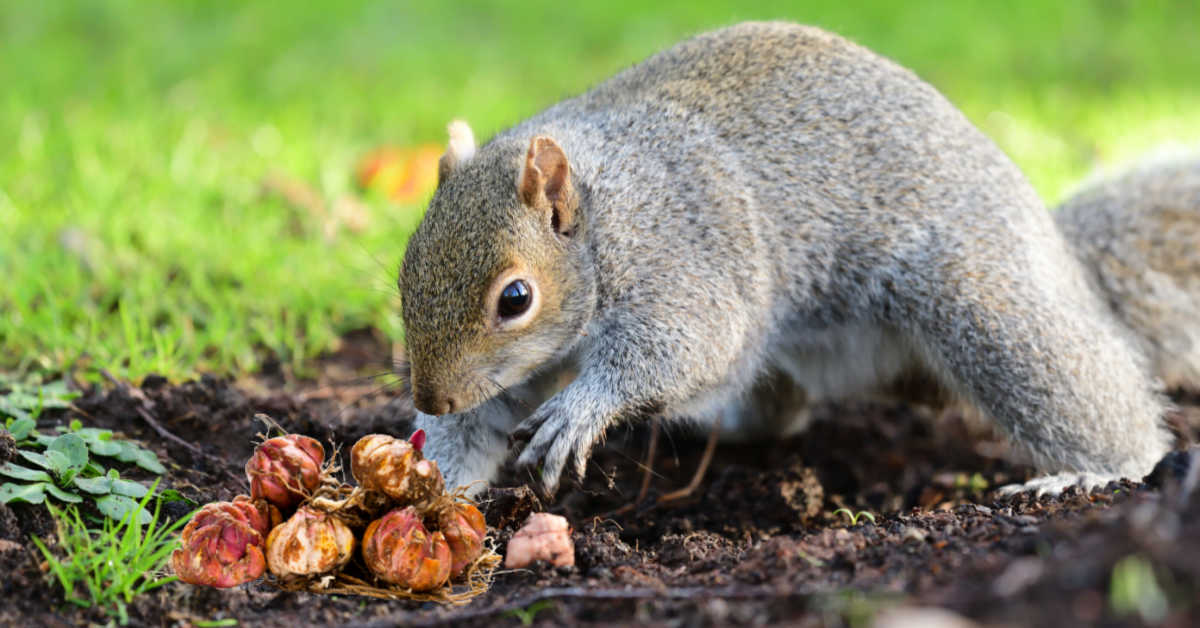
477, 582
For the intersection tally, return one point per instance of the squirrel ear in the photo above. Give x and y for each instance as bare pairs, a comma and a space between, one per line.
460, 149
545, 180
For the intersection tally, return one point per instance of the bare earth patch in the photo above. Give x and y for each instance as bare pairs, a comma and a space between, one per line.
759, 542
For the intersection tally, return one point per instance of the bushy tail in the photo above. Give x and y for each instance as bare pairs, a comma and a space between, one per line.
1138, 234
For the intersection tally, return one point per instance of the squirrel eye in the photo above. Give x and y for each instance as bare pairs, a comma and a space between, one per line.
514, 299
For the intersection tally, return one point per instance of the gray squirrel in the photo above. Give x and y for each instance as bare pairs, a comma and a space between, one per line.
766, 208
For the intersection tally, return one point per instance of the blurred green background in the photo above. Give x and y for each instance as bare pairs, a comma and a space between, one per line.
140, 230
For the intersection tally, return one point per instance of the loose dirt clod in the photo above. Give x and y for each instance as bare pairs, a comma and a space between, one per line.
507, 508
8, 447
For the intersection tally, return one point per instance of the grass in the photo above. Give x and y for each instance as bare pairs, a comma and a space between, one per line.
135, 234
106, 566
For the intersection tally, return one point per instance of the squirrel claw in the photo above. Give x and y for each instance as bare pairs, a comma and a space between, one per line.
1057, 483
557, 443
525, 431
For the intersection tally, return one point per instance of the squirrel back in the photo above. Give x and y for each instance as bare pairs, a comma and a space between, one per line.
1138, 234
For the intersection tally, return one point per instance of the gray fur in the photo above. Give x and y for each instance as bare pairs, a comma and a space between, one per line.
1139, 236
767, 205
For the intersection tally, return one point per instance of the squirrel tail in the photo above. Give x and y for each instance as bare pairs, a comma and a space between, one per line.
1138, 235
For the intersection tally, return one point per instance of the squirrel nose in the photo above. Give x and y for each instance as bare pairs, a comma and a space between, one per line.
433, 403
446, 405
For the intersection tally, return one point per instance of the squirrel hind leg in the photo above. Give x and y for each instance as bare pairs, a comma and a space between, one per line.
1057, 483
1051, 371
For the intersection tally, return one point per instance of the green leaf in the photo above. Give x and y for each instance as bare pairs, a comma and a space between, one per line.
24, 473
59, 464
126, 451
42, 439
146, 459
56, 395
98, 433
91, 434
21, 427
73, 447
76, 425
60, 494
95, 486
128, 488
19, 399
11, 409
28, 493
118, 506
35, 458
68, 477
105, 448
101, 444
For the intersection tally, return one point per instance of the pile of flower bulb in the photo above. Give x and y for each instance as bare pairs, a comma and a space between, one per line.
302, 524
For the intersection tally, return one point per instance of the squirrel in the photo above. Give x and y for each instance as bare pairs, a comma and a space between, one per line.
765, 207
1138, 234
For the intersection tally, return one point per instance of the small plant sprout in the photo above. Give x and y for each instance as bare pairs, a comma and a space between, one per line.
61, 466
974, 483
855, 516
529, 613
24, 401
107, 567
65, 471
215, 623
1135, 589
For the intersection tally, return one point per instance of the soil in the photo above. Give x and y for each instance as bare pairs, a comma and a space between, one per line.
766, 538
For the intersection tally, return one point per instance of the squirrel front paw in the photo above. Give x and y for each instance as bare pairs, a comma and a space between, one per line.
556, 439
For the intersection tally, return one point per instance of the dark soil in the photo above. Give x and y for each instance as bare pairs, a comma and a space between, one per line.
758, 542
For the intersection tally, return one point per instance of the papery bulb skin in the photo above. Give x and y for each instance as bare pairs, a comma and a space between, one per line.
400, 550
285, 470
309, 543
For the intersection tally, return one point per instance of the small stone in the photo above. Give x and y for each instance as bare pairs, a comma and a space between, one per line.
1173, 467
914, 535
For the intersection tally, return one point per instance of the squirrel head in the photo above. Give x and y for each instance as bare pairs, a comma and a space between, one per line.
495, 281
